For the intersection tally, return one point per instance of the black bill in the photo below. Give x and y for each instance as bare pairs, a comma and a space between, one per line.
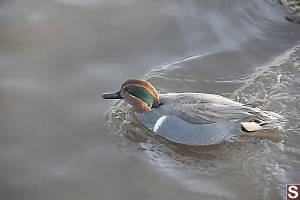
116, 95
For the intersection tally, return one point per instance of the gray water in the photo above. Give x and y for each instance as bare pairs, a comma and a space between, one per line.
60, 140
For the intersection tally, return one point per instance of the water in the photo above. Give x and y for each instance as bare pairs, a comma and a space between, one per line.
56, 57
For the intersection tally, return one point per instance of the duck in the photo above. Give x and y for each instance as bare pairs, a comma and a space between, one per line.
193, 118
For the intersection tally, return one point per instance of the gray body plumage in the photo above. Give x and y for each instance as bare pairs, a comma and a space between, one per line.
203, 119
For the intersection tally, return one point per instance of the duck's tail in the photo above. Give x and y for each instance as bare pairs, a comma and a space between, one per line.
272, 121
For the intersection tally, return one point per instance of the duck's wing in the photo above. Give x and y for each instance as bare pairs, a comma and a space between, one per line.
201, 108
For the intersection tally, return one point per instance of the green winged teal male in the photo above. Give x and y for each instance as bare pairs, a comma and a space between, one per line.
193, 118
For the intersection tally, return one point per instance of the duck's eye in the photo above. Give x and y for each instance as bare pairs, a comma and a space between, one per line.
130, 92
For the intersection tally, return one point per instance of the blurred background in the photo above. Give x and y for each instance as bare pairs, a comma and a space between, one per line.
58, 56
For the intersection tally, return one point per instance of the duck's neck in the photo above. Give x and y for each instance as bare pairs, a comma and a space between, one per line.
156, 104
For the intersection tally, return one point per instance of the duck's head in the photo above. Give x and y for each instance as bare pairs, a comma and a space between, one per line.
141, 94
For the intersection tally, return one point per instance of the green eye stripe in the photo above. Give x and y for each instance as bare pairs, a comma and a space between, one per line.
141, 93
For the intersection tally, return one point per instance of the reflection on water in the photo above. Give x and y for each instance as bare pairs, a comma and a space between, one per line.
293, 7
57, 56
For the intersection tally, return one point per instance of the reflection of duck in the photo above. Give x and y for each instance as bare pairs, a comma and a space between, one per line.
210, 112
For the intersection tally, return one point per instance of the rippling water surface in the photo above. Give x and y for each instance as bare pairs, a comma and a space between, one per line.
60, 140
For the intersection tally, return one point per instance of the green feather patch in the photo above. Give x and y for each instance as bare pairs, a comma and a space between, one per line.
141, 93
